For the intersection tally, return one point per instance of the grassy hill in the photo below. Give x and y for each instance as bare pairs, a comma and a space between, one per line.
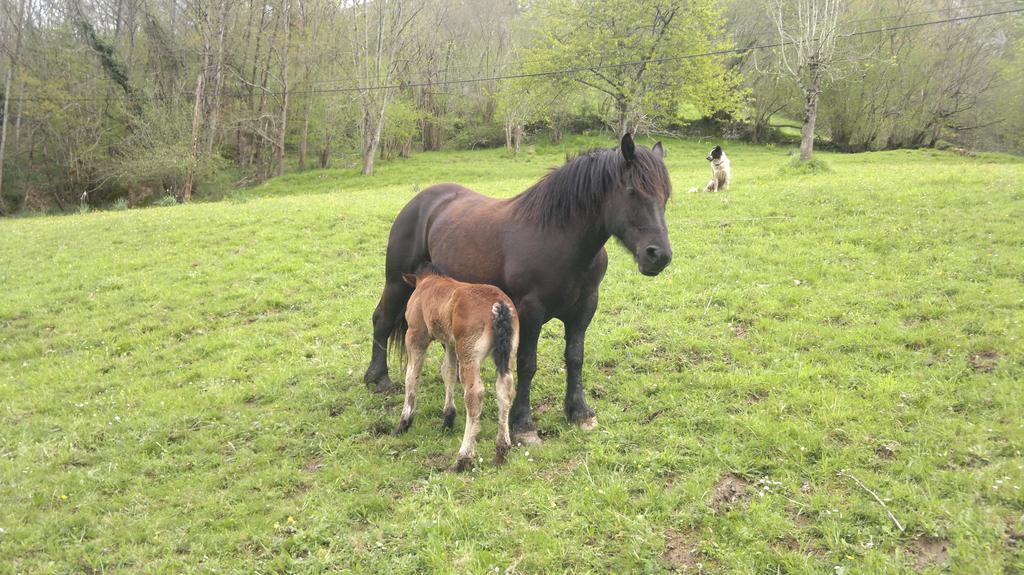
180, 387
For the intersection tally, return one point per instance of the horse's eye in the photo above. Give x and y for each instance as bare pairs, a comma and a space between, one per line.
633, 193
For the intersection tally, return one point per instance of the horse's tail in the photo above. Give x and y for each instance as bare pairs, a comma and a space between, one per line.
501, 315
396, 342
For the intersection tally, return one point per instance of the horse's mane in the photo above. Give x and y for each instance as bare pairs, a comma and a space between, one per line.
578, 188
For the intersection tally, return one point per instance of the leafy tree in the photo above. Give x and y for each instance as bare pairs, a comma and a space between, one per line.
637, 54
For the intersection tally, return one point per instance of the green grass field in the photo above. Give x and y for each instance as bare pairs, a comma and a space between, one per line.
180, 387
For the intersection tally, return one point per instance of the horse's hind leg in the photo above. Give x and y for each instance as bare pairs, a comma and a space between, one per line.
450, 375
473, 392
389, 310
506, 392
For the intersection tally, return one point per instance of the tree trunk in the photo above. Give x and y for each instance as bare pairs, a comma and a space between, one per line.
218, 79
325, 148
517, 138
369, 154
371, 134
186, 195
7, 97
305, 137
810, 118
622, 109
3, 134
284, 84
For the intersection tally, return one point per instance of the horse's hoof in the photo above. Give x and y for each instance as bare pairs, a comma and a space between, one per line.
384, 385
501, 454
587, 424
403, 426
449, 419
462, 464
526, 438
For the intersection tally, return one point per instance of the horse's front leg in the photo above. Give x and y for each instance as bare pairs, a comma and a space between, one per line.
576, 409
524, 431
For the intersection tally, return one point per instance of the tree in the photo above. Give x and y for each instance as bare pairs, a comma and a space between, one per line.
808, 30
381, 35
16, 21
637, 54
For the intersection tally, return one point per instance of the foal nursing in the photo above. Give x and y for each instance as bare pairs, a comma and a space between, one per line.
470, 320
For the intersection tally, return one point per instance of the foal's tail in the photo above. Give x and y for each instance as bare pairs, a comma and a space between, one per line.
503, 333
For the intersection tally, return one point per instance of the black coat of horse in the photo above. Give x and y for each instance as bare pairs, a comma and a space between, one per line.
544, 248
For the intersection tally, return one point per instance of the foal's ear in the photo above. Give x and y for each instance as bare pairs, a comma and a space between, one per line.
628, 148
658, 150
409, 279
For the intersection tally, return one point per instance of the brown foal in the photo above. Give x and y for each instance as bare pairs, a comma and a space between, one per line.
470, 320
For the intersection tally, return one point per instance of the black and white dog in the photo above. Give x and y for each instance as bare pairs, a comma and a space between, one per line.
720, 172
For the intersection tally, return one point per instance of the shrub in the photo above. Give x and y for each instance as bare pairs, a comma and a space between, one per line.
795, 167
165, 201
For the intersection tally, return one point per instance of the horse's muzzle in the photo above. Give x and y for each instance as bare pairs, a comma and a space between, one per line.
654, 259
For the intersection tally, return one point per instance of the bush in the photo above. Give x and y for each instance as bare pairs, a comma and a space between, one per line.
795, 167
119, 205
475, 136
165, 201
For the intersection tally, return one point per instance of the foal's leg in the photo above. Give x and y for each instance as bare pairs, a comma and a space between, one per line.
473, 392
576, 409
450, 375
417, 347
506, 392
389, 308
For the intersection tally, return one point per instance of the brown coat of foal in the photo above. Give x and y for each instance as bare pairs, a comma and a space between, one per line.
470, 320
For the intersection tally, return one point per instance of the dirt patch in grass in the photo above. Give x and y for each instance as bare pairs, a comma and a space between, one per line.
755, 396
544, 406
801, 520
381, 428
926, 551
886, 451
808, 549
740, 330
984, 361
438, 461
1014, 536
651, 416
681, 552
970, 460
728, 490
313, 464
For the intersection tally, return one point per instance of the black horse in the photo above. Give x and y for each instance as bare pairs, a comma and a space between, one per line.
544, 248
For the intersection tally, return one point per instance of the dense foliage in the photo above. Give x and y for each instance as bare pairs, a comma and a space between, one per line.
140, 99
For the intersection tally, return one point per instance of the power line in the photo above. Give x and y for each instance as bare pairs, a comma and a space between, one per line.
548, 73
987, 4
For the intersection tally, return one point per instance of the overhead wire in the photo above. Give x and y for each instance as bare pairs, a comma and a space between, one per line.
538, 74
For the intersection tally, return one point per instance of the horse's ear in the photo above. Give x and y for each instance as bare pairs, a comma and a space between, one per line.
658, 150
409, 279
628, 148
